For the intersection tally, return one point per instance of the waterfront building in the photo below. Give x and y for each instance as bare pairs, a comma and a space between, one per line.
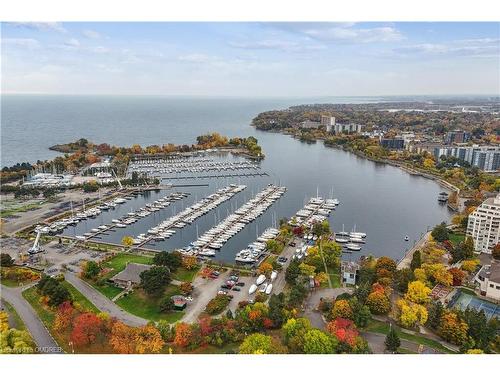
456, 136
347, 128
488, 280
328, 122
392, 143
130, 276
49, 180
349, 272
308, 124
483, 225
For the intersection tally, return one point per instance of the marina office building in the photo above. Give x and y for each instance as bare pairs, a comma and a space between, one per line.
484, 225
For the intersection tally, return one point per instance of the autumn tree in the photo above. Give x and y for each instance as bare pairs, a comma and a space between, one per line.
64, 316
294, 330
452, 328
148, 340
127, 241
183, 335
343, 330
409, 313
378, 302
496, 251
91, 270
123, 338
319, 342
258, 343
87, 328
342, 309
186, 288
418, 292
189, 262
265, 269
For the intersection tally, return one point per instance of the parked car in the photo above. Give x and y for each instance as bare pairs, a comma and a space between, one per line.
241, 283
293, 244
222, 292
236, 289
224, 286
234, 278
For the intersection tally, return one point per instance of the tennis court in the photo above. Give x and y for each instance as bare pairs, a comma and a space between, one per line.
462, 301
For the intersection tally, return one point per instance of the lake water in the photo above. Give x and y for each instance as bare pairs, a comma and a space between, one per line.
378, 199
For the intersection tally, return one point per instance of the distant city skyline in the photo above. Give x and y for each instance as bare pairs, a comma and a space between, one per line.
251, 59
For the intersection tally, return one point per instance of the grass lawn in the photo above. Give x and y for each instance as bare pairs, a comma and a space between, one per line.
456, 238
45, 314
80, 299
383, 328
139, 304
335, 280
9, 283
183, 274
18, 322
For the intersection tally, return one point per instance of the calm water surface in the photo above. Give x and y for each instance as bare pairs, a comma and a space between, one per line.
381, 200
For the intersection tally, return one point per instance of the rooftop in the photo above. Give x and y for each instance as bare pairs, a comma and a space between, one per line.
491, 272
131, 273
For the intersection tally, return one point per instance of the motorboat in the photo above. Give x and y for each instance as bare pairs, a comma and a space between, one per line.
407, 238
260, 279
269, 289
274, 275
252, 289
353, 246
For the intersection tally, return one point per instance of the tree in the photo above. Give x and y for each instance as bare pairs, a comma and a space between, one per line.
344, 331
87, 328
292, 272
148, 340
183, 335
6, 260
64, 316
171, 260
297, 294
482, 331
418, 292
436, 310
402, 278
127, 241
319, 342
155, 280
277, 309
411, 313
385, 263
186, 288
265, 269
496, 251
458, 276
123, 338
274, 246
452, 328
258, 343
166, 304
342, 309
306, 269
54, 290
361, 312
416, 260
294, 330
91, 270
440, 232
392, 342
189, 262
378, 302
470, 265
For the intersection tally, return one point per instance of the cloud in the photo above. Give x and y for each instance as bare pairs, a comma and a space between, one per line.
351, 34
41, 26
72, 43
281, 45
464, 47
28, 43
91, 34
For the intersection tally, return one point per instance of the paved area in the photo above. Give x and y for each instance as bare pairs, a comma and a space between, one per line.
312, 302
377, 345
103, 303
204, 290
43, 340
405, 262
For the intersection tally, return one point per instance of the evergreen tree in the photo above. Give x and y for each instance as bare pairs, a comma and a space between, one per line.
392, 342
416, 260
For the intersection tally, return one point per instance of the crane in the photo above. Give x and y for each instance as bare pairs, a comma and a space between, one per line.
36, 248
117, 179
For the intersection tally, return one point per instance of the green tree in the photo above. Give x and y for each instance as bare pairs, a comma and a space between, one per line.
435, 311
257, 343
171, 260
293, 331
166, 304
392, 342
91, 270
292, 272
277, 309
155, 280
402, 278
416, 260
319, 342
440, 232
6, 260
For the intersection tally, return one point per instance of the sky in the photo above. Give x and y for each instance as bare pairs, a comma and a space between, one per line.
251, 59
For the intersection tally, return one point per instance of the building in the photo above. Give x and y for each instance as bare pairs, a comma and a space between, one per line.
456, 136
328, 122
483, 225
180, 302
392, 143
488, 280
308, 124
486, 158
349, 272
347, 128
130, 276
50, 180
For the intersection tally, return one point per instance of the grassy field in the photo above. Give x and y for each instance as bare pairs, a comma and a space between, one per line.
45, 314
18, 322
12, 209
383, 328
456, 238
139, 304
183, 274
9, 283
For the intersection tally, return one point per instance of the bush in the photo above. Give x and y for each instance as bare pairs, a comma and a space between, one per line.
217, 304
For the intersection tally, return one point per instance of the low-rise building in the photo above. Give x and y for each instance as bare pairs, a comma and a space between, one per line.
488, 280
392, 143
349, 272
308, 124
130, 276
456, 136
483, 225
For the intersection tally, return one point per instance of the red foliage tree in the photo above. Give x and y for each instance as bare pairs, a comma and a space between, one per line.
344, 330
86, 329
183, 335
458, 276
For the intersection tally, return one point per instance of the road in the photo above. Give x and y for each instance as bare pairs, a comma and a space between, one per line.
311, 304
204, 290
103, 303
43, 340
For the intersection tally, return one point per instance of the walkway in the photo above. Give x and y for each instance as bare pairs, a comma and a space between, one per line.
103, 303
40, 334
406, 261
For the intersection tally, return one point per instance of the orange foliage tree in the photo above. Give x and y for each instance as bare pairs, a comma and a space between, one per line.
87, 327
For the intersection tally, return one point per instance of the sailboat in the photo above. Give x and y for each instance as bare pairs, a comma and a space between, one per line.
343, 233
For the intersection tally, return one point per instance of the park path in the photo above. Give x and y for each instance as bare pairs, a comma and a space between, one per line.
43, 340
405, 262
103, 303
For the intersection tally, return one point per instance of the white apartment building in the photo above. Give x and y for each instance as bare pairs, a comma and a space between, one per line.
347, 128
483, 225
328, 122
488, 279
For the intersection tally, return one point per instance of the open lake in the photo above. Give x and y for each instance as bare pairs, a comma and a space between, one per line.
378, 199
